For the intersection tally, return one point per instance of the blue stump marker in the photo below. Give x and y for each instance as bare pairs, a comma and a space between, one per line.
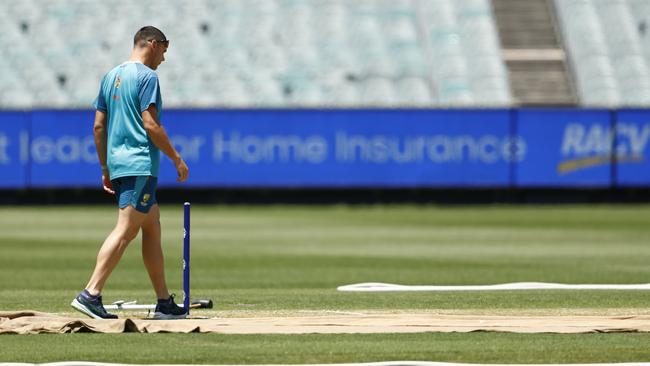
186, 258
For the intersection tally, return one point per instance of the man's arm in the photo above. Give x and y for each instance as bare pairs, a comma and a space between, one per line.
159, 137
99, 131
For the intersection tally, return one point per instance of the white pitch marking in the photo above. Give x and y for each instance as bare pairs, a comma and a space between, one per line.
387, 287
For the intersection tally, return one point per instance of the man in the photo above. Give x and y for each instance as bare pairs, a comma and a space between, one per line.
129, 136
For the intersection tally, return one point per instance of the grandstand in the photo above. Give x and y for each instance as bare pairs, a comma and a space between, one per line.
336, 53
607, 39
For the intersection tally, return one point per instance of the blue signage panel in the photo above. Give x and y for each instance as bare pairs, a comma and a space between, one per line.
341, 148
632, 150
62, 150
568, 148
349, 148
14, 138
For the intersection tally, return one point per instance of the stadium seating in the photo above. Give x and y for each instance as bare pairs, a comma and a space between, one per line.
260, 53
313, 53
608, 45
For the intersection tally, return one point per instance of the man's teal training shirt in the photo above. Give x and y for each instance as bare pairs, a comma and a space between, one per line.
125, 92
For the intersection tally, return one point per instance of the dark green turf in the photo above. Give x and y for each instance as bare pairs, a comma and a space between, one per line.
293, 258
282, 349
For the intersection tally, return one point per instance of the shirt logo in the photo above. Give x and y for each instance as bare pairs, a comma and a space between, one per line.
118, 81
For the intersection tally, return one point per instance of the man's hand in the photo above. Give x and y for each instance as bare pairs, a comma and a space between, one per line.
181, 170
106, 181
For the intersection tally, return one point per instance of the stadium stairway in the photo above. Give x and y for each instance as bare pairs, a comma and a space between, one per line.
534, 56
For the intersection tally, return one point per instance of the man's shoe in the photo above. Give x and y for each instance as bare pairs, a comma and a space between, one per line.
92, 308
167, 309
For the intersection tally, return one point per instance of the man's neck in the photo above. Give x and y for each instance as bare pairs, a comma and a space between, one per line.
140, 57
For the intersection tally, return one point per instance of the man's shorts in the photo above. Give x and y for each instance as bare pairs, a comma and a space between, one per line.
139, 192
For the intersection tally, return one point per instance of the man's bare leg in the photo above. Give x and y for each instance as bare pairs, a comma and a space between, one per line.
154, 261
129, 221
152, 253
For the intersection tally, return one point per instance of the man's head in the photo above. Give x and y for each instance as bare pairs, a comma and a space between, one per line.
152, 43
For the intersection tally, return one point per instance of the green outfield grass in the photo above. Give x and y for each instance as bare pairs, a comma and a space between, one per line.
286, 258
313, 348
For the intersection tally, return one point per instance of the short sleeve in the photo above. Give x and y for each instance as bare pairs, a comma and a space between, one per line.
149, 92
100, 101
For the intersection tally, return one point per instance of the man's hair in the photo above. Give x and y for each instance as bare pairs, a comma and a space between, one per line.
146, 34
